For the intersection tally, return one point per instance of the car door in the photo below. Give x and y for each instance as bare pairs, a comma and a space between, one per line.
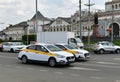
109, 47
31, 52
6, 46
42, 53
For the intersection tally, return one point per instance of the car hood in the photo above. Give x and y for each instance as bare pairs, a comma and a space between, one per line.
81, 50
63, 53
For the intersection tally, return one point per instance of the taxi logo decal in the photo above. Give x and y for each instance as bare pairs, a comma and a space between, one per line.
71, 51
40, 52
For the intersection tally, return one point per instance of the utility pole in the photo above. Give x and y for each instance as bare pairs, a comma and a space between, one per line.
80, 19
36, 20
112, 23
89, 5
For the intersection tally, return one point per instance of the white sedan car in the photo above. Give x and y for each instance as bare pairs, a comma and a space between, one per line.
46, 53
80, 54
12, 46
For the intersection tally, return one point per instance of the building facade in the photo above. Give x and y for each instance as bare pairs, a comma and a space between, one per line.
41, 22
59, 24
15, 32
110, 18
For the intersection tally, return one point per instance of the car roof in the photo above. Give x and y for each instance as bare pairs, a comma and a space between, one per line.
104, 42
41, 44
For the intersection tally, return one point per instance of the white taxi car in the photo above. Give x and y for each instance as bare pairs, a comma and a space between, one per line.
46, 53
80, 54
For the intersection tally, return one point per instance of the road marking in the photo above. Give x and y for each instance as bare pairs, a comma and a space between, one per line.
30, 68
107, 63
117, 81
8, 57
95, 77
8, 65
86, 69
75, 75
116, 58
59, 73
44, 70
18, 67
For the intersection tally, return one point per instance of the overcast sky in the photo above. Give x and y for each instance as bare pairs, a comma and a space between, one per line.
16, 11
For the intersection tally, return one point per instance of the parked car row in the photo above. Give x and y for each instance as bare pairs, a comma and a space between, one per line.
52, 54
55, 54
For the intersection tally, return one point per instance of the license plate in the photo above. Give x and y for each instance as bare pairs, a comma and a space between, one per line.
71, 60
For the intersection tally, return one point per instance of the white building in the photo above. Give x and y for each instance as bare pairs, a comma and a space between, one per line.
60, 24
15, 32
41, 21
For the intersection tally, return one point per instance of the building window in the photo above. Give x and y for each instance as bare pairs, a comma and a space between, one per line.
101, 27
116, 6
57, 29
60, 29
83, 28
112, 6
59, 21
64, 29
91, 27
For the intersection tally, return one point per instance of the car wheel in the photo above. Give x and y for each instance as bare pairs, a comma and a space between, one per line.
52, 62
1, 50
11, 50
101, 51
24, 60
95, 52
118, 51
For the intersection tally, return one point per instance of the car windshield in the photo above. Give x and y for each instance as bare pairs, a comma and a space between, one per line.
69, 47
53, 48
17, 43
78, 40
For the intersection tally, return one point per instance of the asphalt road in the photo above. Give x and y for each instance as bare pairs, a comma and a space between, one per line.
99, 68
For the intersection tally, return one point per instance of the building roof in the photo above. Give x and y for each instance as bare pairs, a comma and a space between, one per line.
40, 17
112, 2
68, 20
23, 24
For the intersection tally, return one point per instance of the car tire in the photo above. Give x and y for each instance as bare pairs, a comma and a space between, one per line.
24, 60
1, 50
118, 51
95, 52
52, 62
101, 51
11, 50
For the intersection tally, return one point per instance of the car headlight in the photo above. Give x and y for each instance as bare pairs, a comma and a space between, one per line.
60, 56
78, 52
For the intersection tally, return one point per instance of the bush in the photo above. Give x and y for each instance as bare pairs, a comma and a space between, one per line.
1, 40
29, 37
117, 42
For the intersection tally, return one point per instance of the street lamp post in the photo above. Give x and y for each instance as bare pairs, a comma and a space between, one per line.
80, 19
36, 20
112, 23
89, 5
